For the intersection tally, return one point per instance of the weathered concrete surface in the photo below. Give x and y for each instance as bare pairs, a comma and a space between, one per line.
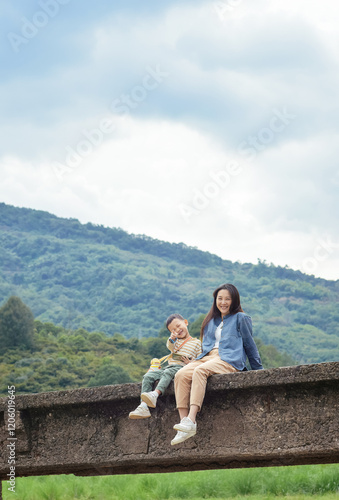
284, 416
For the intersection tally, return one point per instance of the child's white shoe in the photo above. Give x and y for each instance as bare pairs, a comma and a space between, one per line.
141, 411
150, 398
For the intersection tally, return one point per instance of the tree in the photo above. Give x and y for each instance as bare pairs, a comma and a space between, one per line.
195, 327
16, 324
109, 374
163, 332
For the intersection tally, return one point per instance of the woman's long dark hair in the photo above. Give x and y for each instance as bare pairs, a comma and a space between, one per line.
214, 311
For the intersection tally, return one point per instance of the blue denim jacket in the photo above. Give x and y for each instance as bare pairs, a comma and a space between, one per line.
236, 341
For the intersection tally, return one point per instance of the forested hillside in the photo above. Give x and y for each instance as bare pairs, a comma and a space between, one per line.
104, 279
53, 358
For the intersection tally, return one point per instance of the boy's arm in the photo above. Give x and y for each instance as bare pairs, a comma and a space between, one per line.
170, 344
199, 349
196, 351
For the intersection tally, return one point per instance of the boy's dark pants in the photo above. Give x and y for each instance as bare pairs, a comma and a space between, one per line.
164, 375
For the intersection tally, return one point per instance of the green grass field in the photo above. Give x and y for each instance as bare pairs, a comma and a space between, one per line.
296, 483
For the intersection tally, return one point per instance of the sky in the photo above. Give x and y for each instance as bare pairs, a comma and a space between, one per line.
210, 123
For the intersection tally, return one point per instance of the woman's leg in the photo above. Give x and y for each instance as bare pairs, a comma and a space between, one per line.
182, 387
211, 366
183, 412
193, 412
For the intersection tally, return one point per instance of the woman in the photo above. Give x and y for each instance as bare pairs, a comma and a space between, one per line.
226, 335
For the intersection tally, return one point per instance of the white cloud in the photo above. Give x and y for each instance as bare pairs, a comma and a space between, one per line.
140, 180
225, 80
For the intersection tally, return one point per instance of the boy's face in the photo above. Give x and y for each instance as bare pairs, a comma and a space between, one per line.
178, 328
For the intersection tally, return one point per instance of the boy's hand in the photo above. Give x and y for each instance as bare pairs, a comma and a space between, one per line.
186, 359
173, 336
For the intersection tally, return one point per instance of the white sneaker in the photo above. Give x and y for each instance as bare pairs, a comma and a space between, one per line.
186, 425
182, 436
140, 412
150, 399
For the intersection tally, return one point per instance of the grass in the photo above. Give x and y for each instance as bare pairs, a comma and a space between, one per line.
293, 483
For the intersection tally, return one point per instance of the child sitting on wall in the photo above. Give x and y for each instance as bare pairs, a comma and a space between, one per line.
184, 349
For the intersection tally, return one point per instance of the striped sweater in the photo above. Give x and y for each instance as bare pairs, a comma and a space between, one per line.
192, 349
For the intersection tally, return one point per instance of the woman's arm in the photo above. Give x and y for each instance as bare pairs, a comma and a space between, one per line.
245, 325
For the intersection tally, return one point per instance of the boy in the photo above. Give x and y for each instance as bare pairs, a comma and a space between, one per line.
184, 349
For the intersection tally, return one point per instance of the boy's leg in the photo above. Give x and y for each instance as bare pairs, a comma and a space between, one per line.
148, 380
167, 376
142, 411
148, 395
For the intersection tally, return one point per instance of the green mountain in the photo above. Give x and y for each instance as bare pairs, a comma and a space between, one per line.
104, 279
58, 359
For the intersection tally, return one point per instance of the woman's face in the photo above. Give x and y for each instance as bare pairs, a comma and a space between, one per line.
224, 302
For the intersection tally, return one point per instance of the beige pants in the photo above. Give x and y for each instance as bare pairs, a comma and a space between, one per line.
190, 382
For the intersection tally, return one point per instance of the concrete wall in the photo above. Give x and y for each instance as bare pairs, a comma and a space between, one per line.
284, 416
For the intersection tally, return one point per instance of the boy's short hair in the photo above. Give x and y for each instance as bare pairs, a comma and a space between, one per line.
172, 317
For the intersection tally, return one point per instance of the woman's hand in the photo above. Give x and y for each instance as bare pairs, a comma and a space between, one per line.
186, 360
